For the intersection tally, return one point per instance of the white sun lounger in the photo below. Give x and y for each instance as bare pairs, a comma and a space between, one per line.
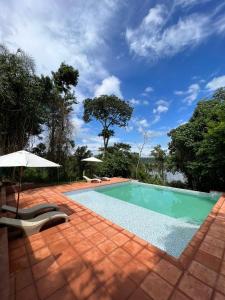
91, 179
102, 178
31, 212
34, 225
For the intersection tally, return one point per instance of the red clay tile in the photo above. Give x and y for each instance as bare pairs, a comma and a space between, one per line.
179, 296
218, 296
120, 288
39, 255
195, 288
76, 221
105, 269
17, 252
16, 243
211, 249
75, 238
132, 247
136, 271
208, 260
49, 232
64, 293
100, 294
140, 241
101, 226
23, 279
73, 268
107, 246
49, 284
83, 225
168, 271
203, 273
120, 239
84, 285
120, 257
44, 267
121, 282
156, 287
28, 293
110, 232
139, 294
148, 258
211, 240
58, 246
65, 256
54, 237
19, 263
222, 270
93, 221
97, 238
92, 256
83, 246
88, 231
35, 245
69, 231
220, 286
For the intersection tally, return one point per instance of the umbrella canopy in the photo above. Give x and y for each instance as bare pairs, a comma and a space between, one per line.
92, 159
25, 159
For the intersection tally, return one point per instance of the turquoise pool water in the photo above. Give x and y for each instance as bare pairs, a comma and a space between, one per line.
165, 217
192, 207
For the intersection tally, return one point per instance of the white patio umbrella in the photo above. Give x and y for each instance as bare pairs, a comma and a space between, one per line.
24, 159
91, 159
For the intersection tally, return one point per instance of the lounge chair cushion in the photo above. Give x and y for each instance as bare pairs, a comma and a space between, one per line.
33, 225
30, 212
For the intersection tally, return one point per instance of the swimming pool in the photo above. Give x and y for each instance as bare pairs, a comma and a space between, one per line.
165, 217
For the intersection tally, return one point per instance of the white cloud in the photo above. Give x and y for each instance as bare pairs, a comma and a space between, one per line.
161, 107
190, 94
149, 89
143, 123
134, 101
215, 83
186, 3
109, 86
158, 36
56, 31
145, 102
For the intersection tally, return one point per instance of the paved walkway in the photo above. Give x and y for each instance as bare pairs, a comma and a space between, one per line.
92, 258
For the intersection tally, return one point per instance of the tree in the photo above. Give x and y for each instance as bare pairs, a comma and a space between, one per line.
197, 147
60, 105
119, 161
22, 100
81, 153
159, 156
109, 111
141, 148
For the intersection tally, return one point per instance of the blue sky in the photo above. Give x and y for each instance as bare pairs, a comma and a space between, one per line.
162, 56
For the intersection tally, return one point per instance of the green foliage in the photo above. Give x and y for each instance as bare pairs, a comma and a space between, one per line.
197, 147
159, 156
79, 166
118, 161
22, 100
60, 105
109, 111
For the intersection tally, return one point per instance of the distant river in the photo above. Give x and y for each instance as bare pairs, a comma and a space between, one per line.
177, 176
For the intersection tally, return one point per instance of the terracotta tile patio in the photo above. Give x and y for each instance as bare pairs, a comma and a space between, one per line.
92, 258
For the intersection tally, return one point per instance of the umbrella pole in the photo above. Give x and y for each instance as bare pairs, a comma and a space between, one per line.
19, 190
